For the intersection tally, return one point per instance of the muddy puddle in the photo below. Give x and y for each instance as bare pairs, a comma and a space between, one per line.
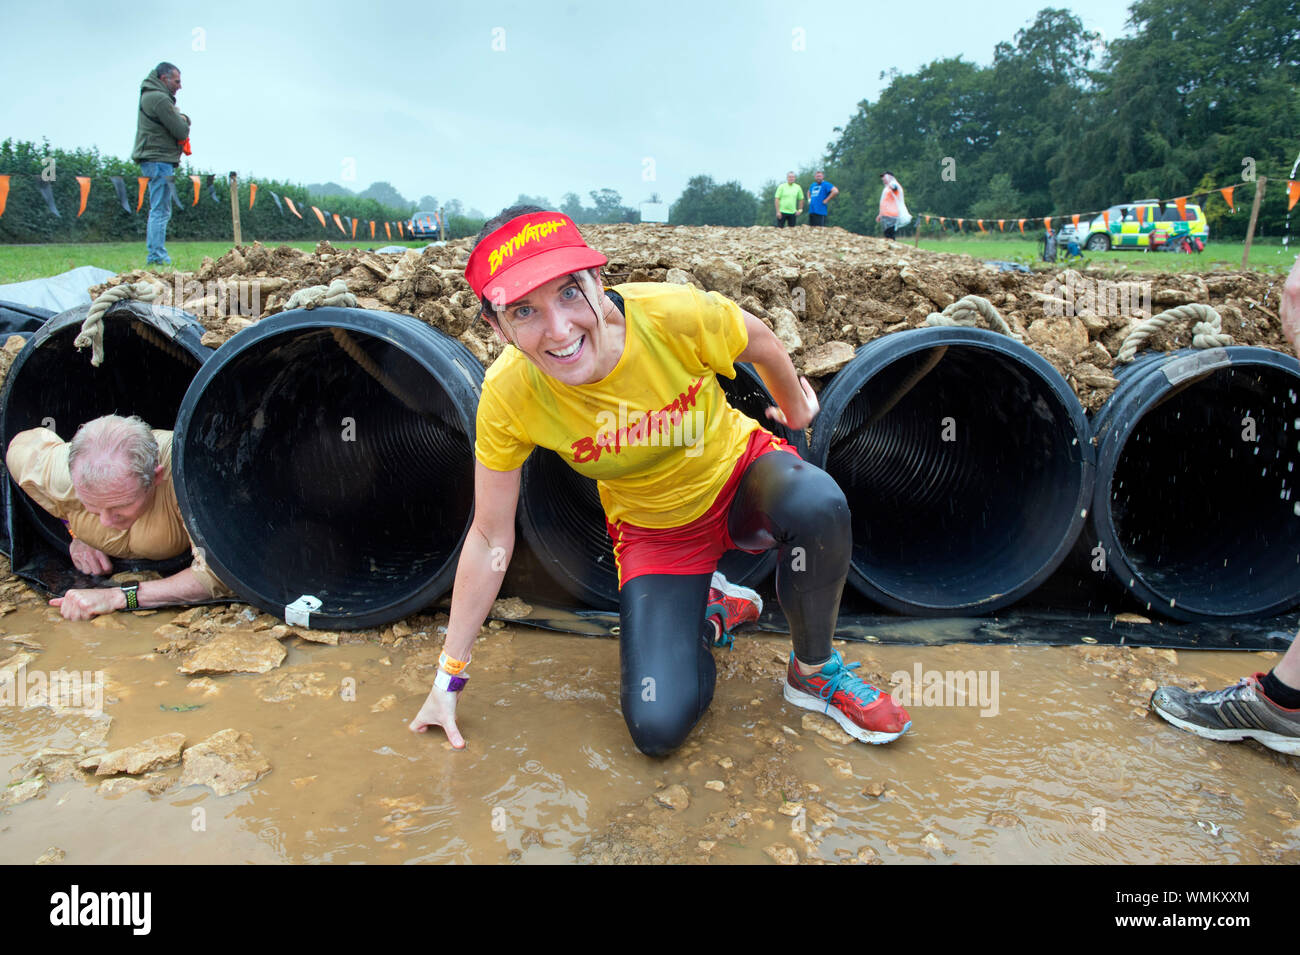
1017, 755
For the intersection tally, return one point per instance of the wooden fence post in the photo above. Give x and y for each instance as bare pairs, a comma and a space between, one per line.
1254, 214
234, 207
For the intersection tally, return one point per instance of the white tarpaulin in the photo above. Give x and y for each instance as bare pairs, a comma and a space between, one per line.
59, 293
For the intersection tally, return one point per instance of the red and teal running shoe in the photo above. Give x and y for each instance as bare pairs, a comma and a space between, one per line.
730, 606
864, 712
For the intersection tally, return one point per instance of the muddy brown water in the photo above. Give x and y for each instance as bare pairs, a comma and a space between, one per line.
1062, 764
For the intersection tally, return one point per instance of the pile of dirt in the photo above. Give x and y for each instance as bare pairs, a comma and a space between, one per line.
822, 291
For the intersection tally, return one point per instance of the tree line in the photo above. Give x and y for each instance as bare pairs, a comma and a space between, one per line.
1200, 95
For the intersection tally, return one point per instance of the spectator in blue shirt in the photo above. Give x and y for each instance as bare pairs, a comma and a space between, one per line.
820, 193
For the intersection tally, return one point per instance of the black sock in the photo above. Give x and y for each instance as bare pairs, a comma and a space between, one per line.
1281, 694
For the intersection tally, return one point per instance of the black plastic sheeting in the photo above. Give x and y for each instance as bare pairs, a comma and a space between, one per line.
1070, 608
151, 354
564, 523
329, 453
1194, 508
19, 319
967, 466
1008, 627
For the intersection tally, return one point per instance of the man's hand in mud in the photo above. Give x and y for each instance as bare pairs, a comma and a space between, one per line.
88, 560
84, 604
439, 709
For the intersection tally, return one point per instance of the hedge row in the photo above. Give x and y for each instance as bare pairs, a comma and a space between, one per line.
27, 217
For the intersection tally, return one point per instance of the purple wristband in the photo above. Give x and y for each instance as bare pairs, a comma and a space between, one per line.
453, 684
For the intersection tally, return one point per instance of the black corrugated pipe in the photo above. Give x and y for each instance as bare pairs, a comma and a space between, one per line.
965, 459
1196, 459
151, 353
324, 460
561, 516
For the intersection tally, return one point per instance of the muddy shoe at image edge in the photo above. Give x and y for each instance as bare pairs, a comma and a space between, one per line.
1235, 713
863, 711
730, 606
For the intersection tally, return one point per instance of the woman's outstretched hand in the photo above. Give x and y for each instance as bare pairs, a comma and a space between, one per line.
439, 709
801, 418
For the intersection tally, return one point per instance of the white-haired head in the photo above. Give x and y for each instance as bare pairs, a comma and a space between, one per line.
108, 450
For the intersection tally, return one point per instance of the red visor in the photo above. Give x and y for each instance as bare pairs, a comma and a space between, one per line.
526, 252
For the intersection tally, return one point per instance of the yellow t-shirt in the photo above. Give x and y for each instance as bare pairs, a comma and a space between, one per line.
657, 433
38, 461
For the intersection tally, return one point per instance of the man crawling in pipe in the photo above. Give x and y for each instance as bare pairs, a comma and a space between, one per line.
111, 486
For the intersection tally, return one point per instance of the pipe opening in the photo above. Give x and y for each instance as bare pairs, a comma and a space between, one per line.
1205, 517
333, 462
53, 385
963, 475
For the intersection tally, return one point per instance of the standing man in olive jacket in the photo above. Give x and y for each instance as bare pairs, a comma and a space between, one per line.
162, 132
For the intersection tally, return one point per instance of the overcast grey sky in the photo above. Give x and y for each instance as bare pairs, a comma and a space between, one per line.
481, 101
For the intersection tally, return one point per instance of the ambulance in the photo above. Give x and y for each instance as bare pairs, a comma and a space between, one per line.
1146, 224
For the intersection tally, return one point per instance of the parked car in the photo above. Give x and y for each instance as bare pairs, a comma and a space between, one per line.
1133, 225
424, 225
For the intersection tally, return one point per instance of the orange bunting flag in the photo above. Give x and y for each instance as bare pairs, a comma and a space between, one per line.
1000, 221
1181, 203
388, 232
1047, 221
1226, 192
1292, 193
1022, 226
980, 223
321, 216
140, 202
401, 229
354, 228
1075, 219
84, 183
4, 193
1105, 215
959, 223
339, 222
252, 194
195, 180
941, 218
372, 228
292, 207
927, 220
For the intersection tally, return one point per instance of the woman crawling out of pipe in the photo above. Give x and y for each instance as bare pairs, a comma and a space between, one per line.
586, 359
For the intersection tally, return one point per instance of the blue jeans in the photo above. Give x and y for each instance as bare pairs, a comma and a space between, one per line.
160, 210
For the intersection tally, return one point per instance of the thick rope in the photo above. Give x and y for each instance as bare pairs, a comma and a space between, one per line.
965, 311
336, 295
1206, 333
92, 329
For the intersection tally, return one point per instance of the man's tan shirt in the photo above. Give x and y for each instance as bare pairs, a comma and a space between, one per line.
38, 461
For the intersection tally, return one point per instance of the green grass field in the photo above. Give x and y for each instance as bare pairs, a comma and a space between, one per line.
19, 263
1266, 255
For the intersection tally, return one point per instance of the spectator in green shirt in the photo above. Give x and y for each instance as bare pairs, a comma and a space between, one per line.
789, 202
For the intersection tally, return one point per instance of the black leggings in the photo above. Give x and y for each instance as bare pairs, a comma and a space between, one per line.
665, 644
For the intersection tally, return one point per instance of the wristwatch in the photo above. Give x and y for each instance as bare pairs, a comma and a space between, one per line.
132, 596
445, 681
